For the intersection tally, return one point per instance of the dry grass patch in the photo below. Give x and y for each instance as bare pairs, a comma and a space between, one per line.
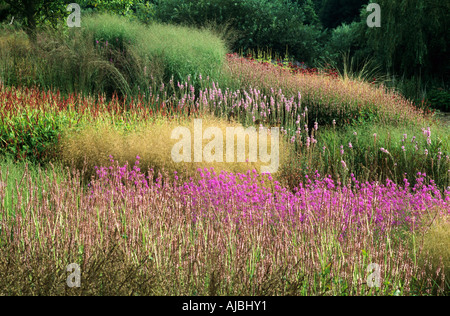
152, 142
436, 250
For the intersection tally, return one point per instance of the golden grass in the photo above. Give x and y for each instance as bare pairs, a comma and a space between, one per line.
436, 245
152, 142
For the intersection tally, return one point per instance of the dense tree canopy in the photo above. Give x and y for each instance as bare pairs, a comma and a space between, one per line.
34, 12
414, 37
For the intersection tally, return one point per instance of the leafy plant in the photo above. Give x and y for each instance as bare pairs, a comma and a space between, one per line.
32, 135
439, 99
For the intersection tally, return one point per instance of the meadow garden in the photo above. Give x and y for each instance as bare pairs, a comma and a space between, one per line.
359, 204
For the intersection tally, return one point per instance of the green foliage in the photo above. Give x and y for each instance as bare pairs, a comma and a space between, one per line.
427, 94
179, 51
112, 54
31, 135
142, 10
413, 38
117, 31
343, 40
4, 11
366, 161
335, 12
309, 11
439, 98
34, 13
121, 7
276, 25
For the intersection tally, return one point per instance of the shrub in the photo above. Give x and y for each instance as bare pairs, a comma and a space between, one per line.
439, 98
342, 40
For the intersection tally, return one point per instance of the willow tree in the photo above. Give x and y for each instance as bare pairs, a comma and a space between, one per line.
413, 38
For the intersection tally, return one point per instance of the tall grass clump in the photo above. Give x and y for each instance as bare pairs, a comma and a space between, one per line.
110, 54
18, 175
66, 60
15, 64
186, 51
435, 239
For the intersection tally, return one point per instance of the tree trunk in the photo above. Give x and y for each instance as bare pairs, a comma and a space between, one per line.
30, 15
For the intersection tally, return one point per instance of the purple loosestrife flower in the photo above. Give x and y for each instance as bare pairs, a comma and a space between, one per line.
246, 198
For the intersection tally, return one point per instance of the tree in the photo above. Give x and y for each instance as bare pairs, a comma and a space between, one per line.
335, 12
309, 11
414, 37
4, 11
35, 12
